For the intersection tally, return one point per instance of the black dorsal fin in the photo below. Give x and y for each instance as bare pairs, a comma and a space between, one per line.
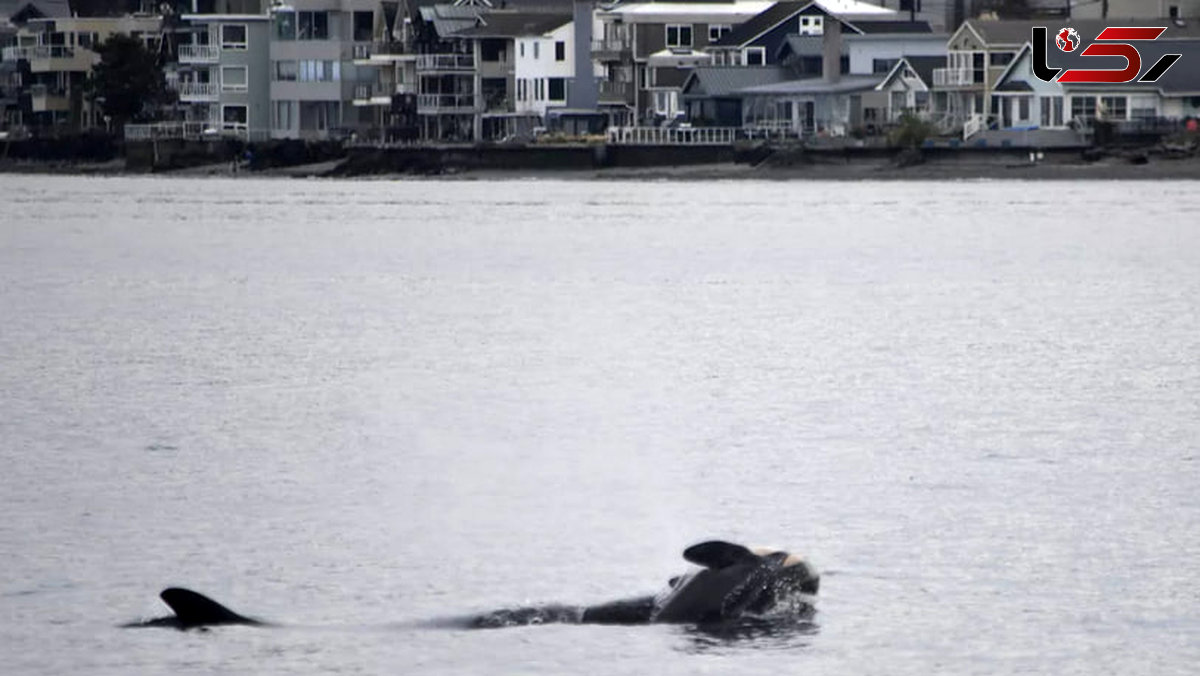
718, 554
197, 610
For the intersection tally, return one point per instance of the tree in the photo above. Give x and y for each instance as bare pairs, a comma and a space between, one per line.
128, 82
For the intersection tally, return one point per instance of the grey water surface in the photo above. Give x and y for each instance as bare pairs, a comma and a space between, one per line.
361, 408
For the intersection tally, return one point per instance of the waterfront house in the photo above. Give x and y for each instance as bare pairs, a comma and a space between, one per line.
49, 59
712, 94
224, 81
908, 86
760, 41
1031, 112
645, 48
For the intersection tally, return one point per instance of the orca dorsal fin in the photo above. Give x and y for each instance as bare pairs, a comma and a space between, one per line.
197, 610
718, 554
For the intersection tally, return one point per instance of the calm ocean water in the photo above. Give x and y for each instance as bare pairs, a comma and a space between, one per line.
360, 407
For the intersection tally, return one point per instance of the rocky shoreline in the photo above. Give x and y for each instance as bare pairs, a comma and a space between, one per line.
1133, 164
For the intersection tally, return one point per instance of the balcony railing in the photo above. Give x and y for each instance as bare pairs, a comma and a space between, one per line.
616, 91
953, 77
694, 136
613, 46
198, 91
445, 62
199, 54
15, 53
434, 103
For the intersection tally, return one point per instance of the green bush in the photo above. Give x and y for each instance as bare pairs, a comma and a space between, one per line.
911, 132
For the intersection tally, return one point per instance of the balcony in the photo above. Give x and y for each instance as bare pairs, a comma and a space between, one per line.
611, 49
199, 54
620, 92
192, 92
953, 77
43, 98
377, 94
15, 53
446, 103
445, 62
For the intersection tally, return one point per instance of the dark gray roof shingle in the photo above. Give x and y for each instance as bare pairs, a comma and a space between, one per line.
707, 81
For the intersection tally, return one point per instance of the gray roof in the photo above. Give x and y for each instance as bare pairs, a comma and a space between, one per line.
447, 19
818, 85
48, 8
761, 23
706, 81
873, 27
506, 24
924, 65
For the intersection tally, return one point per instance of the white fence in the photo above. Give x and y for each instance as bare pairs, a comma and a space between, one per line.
193, 131
687, 136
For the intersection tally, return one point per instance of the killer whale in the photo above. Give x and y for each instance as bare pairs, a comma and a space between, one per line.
731, 583
194, 610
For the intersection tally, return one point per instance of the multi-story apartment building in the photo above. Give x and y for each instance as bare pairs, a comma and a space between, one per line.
223, 79
48, 62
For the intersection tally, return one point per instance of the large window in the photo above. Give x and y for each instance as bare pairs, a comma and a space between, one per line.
679, 35
1143, 107
285, 25
556, 89
364, 26
285, 71
233, 36
1052, 111
1114, 107
756, 56
812, 25
233, 78
283, 115
883, 66
313, 26
1083, 107
320, 71
235, 115
716, 31
560, 50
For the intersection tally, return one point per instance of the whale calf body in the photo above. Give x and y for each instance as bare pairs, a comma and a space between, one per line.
731, 582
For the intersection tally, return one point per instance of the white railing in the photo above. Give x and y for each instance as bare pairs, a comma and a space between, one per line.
610, 45
953, 77
15, 53
974, 124
431, 102
445, 62
164, 130
199, 54
198, 91
660, 136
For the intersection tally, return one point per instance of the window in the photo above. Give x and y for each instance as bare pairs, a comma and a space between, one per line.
883, 66
284, 71
235, 115
812, 25
1173, 12
363, 26
320, 71
1023, 108
910, 5
521, 89
285, 25
283, 115
717, 31
522, 49
536, 51
1114, 107
560, 50
679, 35
1052, 111
1083, 107
313, 26
233, 36
756, 56
233, 78
1001, 58
556, 89
1143, 107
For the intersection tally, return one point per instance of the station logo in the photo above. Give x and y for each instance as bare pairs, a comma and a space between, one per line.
1112, 41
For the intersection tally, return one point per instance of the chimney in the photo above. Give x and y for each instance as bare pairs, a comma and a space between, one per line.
831, 52
582, 92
